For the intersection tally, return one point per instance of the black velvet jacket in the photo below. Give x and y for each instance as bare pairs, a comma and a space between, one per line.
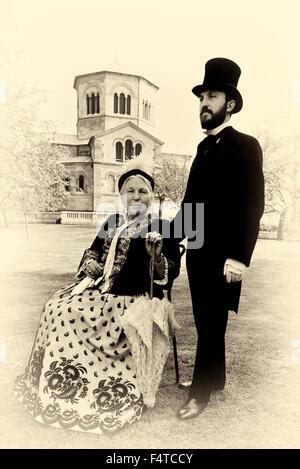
226, 175
134, 275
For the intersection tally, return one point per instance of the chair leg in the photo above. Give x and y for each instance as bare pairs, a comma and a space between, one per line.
176, 359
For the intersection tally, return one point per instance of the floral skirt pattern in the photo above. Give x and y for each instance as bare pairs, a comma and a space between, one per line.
81, 373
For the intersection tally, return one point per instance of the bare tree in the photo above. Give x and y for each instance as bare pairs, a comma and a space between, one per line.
170, 181
31, 170
280, 169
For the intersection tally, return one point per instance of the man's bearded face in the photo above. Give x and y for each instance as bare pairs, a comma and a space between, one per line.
213, 109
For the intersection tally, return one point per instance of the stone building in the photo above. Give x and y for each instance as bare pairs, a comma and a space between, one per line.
116, 116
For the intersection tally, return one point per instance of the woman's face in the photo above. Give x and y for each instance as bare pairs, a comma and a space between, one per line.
136, 196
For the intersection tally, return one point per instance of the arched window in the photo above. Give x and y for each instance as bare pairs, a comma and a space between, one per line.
122, 103
119, 151
67, 184
97, 107
110, 184
128, 149
146, 110
138, 149
93, 103
128, 104
87, 104
116, 103
81, 183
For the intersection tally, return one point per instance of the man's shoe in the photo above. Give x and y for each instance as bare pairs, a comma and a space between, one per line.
191, 409
218, 387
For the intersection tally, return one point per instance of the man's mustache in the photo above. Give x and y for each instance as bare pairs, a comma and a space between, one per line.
205, 109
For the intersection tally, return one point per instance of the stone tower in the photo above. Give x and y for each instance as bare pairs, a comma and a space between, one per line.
109, 99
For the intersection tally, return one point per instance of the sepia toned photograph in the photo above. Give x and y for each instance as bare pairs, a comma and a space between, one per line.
150, 226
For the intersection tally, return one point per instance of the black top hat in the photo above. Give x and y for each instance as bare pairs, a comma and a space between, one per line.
222, 75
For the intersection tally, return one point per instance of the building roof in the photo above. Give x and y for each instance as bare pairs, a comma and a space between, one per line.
65, 139
128, 124
115, 73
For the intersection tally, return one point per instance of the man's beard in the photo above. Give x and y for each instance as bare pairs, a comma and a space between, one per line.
216, 119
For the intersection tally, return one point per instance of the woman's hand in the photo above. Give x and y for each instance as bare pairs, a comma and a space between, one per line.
154, 239
93, 269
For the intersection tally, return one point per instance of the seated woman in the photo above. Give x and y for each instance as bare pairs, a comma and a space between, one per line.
102, 342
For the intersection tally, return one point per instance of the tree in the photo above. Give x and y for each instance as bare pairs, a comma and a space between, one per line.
32, 174
280, 170
170, 181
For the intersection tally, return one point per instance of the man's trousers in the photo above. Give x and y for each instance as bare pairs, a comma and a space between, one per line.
210, 309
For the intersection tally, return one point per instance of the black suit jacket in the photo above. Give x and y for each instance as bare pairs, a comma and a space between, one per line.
226, 175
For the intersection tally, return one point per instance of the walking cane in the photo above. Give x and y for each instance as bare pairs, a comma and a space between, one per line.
149, 410
152, 270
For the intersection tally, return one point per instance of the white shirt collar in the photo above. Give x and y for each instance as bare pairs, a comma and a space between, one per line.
216, 130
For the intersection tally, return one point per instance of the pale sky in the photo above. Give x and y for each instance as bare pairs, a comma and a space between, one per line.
46, 43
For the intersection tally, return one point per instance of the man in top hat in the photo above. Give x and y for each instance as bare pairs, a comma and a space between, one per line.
226, 176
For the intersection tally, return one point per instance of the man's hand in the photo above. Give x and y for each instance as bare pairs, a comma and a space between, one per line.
234, 270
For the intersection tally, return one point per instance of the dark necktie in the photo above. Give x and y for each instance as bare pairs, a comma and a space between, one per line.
208, 143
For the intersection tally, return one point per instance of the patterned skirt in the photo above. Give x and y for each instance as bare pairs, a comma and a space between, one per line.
81, 373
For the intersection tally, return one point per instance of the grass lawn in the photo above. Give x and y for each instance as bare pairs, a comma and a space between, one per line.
260, 406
